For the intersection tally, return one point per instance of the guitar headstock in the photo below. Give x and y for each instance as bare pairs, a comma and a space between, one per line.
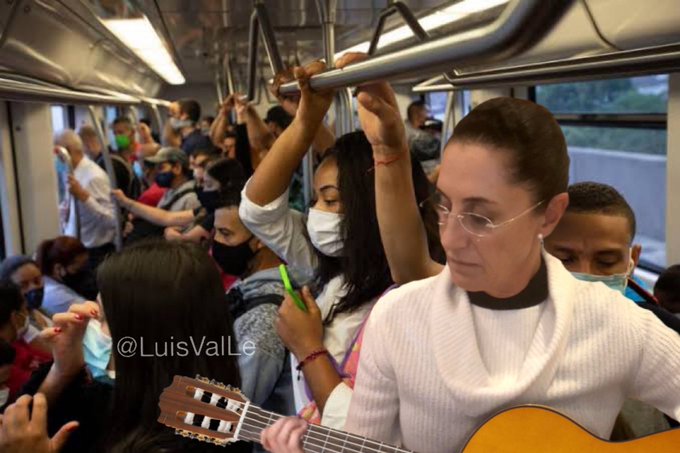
203, 409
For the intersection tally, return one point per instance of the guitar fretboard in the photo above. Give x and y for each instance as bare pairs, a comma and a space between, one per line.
318, 439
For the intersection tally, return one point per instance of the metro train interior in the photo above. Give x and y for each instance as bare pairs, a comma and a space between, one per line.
160, 97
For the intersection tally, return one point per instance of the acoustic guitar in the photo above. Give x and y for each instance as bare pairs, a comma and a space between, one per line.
208, 411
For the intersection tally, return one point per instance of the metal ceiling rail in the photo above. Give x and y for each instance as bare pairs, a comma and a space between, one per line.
260, 23
408, 17
15, 90
651, 60
521, 24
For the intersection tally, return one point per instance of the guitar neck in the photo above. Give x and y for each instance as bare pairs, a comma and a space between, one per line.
318, 438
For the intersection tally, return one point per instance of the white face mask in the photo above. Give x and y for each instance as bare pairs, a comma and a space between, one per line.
4, 396
324, 232
97, 348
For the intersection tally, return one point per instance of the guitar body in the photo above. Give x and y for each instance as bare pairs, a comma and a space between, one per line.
535, 429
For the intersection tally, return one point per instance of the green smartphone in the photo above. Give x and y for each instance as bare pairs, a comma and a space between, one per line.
289, 288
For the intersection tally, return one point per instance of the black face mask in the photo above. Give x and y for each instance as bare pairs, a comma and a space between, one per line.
34, 298
164, 179
233, 259
83, 282
209, 199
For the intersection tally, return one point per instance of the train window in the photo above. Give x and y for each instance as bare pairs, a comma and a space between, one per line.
616, 133
437, 104
59, 118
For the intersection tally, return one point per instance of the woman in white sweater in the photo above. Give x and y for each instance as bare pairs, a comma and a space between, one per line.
503, 323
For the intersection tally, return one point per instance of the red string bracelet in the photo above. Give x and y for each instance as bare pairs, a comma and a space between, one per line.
377, 162
311, 357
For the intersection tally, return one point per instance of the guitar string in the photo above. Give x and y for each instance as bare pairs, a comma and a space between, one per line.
314, 431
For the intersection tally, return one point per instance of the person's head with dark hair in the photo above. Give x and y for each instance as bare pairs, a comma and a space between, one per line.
63, 258
172, 167
229, 145
344, 192
206, 122
189, 109
124, 132
146, 121
667, 289
277, 120
416, 113
199, 160
238, 251
174, 305
24, 272
14, 315
222, 177
595, 235
501, 188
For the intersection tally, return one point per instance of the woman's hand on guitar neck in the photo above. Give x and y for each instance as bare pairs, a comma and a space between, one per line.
284, 436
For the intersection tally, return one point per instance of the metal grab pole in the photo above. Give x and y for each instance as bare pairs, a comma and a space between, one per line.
65, 157
157, 116
269, 39
252, 56
408, 17
521, 24
108, 164
447, 122
229, 76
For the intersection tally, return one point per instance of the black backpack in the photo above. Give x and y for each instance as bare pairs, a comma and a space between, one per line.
238, 305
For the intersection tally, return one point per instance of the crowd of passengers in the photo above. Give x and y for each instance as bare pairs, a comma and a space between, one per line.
433, 299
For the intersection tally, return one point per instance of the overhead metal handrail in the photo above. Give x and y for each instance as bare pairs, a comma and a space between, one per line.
15, 90
521, 24
154, 101
259, 23
408, 17
651, 60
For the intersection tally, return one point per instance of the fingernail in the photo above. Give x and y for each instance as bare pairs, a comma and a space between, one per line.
72, 428
57, 330
79, 317
94, 313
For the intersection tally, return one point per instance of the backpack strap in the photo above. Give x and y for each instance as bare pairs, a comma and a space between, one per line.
238, 305
178, 196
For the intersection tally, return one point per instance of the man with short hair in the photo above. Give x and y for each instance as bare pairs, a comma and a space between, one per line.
667, 289
126, 180
90, 187
423, 145
174, 174
184, 117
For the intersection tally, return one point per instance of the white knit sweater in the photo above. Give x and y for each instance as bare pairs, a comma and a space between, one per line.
433, 367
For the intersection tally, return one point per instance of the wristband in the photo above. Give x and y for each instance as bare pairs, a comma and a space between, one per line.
310, 358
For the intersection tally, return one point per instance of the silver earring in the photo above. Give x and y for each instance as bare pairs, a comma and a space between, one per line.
540, 238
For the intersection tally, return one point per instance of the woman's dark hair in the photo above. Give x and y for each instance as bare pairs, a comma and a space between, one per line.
364, 264
167, 296
11, 300
14, 263
7, 353
531, 136
60, 250
229, 173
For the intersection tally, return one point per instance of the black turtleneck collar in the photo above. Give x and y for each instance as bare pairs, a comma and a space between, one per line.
535, 293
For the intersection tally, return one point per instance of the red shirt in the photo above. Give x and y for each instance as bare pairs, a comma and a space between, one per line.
27, 360
152, 196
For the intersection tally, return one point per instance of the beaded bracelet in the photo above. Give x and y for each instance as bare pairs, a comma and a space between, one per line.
311, 357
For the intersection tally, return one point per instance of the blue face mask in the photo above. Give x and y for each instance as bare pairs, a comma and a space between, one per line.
34, 298
617, 282
97, 348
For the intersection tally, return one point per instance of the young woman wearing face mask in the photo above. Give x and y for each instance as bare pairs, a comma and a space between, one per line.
221, 175
25, 273
503, 323
14, 323
338, 246
63, 263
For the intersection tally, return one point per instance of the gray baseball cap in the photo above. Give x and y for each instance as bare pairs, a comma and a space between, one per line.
169, 154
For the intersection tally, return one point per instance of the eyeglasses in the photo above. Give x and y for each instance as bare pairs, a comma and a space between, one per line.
475, 224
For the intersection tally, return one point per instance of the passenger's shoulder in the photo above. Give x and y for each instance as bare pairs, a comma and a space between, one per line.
410, 298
